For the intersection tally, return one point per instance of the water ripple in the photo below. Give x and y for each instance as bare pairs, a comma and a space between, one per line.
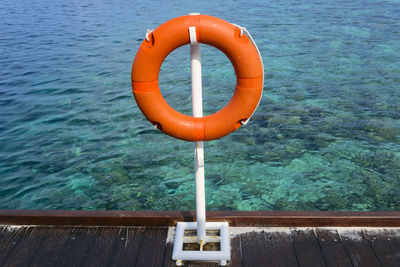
326, 135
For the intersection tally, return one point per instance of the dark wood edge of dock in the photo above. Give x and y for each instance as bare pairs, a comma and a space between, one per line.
170, 218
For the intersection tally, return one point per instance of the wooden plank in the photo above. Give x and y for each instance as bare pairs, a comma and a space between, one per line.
127, 246
394, 235
254, 249
9, 237
51, 246
236, 251
358, 248
169, 218
152, 247
168, 262
101, 249
30, 242
332, 248
385, 248
308, 251
279, 244
75, 250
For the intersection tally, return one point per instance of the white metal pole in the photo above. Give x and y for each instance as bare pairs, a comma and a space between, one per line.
197, 103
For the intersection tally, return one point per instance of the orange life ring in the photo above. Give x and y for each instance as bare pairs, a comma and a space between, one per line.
212, 31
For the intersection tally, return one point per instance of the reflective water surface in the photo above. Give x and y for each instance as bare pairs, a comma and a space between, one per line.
326, 135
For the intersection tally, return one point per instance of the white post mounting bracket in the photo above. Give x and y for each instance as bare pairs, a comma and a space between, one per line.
223, 255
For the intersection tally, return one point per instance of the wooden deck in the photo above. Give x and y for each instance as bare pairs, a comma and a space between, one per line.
148, 246
80, 241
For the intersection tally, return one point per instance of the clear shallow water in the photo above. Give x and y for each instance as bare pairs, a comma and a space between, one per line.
325, 137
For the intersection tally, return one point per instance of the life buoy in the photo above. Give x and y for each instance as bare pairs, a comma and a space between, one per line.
212, 31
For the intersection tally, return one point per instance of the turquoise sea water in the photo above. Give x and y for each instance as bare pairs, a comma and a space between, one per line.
326, 135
